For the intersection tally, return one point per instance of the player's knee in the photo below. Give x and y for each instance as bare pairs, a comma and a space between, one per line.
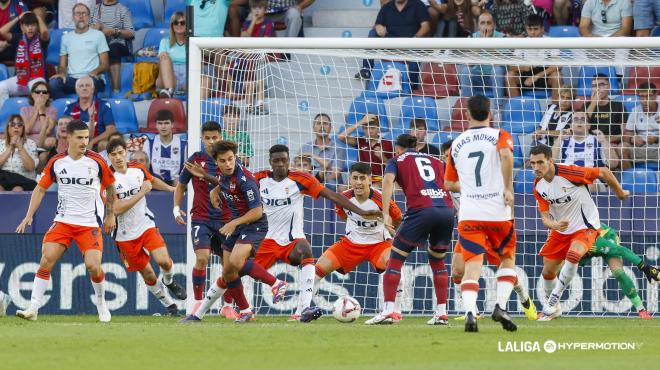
93, 268
201, 262
304, 251
148, 275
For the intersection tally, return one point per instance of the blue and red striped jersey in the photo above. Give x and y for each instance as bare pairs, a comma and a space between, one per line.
421, 177
239, 193
202, 210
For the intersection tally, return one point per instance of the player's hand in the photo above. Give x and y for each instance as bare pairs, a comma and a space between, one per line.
109, 223
623, 195
508, 198
27, 221
214, 195
529, 81
146, 187
228, 228
387, 222
561, 225
372, 215
195, 169
179, 216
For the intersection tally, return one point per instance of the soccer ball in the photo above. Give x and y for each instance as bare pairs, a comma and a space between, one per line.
346, 309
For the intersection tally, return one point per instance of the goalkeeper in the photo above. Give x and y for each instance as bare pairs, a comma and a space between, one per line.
608, 245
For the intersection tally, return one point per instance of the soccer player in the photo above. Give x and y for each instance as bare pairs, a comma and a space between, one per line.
5, 301
429, 219
137, 237
205, 219
366, 239
480, 167
566, 209
282, 193
81, 176
244, 227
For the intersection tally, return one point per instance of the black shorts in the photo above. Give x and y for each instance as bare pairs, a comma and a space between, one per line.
117, 51
252, 234
203, 233
541, 83
433, 226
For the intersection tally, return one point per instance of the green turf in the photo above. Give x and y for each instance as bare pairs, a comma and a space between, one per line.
79, 342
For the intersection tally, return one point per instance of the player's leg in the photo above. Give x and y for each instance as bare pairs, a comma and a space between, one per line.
301, 255
163, 260
506, 279
379, 257
157, 289
612, 249
470, 286
92, 258
439, 240
5, 301
199, 274
391, 279
325, 265
237, 262
627, 286
50, 253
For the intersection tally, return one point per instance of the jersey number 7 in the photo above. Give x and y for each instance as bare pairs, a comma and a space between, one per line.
477, 169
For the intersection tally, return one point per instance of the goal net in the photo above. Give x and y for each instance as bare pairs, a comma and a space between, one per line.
304, 93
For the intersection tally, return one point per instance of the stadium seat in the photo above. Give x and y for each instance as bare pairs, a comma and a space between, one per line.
124, 114
152, 39
381, 77
171, 6
653, 166
173, 105
442, 137
655, 32
586, 75
419, 107
521, 115
459, 121
212, 109
4, 72
438, 81
53, 53
11, 106
638, 180
564, 31
61, 103
524, 181
638, 75
364, 104
518, 158
143, 16
629, 101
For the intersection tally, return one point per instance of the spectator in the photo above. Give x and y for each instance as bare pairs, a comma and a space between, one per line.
210, 17
18, 157
96, 113
9, 10
371, 148
65, 17
474, 79
398, 18
288, 11
509, 16
158, 184
557, 118
29, 60
534, 77
44, 9
303, 163
646, 15
582, 148
167, 150
606, 18
40, 116
231, 119
643, 127
435, 8
172, 69
418, 129
561, 11
84, 52
605, 115
458, 20
104, 153
61, 135
116, 23
327, 158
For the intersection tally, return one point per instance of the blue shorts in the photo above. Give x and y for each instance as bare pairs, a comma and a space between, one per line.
203, 233
252, 234
433, 225
646, 14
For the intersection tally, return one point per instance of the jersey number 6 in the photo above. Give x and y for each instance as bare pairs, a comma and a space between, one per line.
425, 169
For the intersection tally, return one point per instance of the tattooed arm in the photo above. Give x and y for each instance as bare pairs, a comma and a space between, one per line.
110, 198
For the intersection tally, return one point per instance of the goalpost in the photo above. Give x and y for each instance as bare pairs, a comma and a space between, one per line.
307, 76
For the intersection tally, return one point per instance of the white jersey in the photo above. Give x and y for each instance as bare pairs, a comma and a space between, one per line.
79, 186
362, 231
567, 197
475, 163
138, 219
283, 203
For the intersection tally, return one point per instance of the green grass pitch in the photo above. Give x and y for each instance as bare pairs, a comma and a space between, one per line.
133, 342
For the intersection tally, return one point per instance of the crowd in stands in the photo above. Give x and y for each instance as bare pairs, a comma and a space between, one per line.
88, 40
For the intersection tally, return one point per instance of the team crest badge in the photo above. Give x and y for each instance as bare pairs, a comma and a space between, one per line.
286, 190
175, 151
232, 186
202, 164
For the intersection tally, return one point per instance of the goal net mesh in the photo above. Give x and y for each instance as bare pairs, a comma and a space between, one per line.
305, 98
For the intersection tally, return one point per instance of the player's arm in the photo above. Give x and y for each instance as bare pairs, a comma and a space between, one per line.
196, 170
388, 189
178, 214
161, 185
451, 176
550, 222
109, 222
125, 204
344, 203
250, 191
506, 159
35, 201
607, 177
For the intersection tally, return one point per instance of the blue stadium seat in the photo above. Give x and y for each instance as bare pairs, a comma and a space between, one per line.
53, 53
524, 181
587, 73
4, 72
379, 71
652, 166
212, 109
11, 106
518, 158
564, 31
419, 107
364, 104
123, 112
655, 32
61, 103
443, 136
521, 115
152, 39
638, 180
629, 101
171, 6
143, 15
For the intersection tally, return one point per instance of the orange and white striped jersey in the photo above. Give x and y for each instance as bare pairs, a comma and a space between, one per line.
567, 197
360, 230
475, 163
79, 186
138, 219
283, 203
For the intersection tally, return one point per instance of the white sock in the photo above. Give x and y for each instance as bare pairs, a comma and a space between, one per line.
213, 294
566, 274
307, 275
441, 309
505, 277
317, 284
38, 290
469, 296
388, 308
158, 290
167, 276
399, 296
548, 286
522, 293
99, 291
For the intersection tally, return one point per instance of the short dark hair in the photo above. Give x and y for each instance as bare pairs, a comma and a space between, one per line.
224, 146
258, 3
360, 167
76, 125
29, 18
211, 126
406, 141
116, 134
534, 20
479, 107
231, 110
278, 148
648, 85
114, 143
322, 115
417, 122
446, 145
542, 149
164, 115
601, 76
